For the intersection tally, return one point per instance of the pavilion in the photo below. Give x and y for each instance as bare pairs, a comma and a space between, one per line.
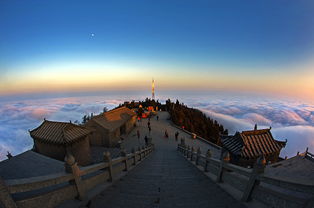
245, 147
56, 139
110, 126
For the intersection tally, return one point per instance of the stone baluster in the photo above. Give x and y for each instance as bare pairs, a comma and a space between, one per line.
185, 150
144, 151
208, 156
72, 167
134, 155
140, 153
258, 169
5, 197
221, 166
188, 152
182, 141
124, 155
198, 155
107, 159
192, 153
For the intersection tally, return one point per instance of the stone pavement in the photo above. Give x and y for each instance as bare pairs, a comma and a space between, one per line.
157, 133
164, 179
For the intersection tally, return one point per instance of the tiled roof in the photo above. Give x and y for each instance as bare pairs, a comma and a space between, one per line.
252, 144
29, 164
113, 119
59, 132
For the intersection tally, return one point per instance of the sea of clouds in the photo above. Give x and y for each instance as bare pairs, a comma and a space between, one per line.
289, 120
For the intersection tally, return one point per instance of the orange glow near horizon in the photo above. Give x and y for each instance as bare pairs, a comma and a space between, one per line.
295, 84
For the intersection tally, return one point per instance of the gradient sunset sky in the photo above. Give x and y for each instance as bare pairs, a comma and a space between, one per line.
258, 46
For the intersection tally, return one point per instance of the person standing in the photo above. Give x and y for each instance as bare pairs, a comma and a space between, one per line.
177, 135
157, 117
149, 129
166, 134
138, 136
146, 140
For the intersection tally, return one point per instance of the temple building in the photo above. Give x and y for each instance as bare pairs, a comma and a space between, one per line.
55, 139
245, 147
109, 126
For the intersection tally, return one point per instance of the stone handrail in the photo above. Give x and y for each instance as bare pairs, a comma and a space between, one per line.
309, 156
33, 183
51, 190
252, 183
197, 137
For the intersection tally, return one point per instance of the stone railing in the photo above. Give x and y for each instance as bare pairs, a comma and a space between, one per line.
251, 183
309, 155
197, 137
51, 190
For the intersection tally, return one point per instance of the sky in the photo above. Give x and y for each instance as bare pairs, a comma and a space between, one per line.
73, 46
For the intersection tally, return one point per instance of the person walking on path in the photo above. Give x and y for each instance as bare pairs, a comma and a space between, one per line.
138, 136
149, 129
146, 140
177, 135
157, 117
166, 134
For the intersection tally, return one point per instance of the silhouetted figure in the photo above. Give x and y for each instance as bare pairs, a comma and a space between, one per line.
157, 118
149, 129
166, 134
176, 136
148, 124
146, 140
138, 134
9, 155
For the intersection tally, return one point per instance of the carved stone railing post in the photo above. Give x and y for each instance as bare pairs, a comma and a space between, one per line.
258, 168
107, 159
198, 155
208, 156
140, 153
188, 152
192, 153
182, 141
221, 167
124, 155
72, 167
182, 144
134, 156
144, 151
185, 150
5, 196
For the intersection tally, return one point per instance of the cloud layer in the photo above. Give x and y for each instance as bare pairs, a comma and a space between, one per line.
289, 120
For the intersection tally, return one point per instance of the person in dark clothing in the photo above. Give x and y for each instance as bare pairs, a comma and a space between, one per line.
138, 134
166, 134
157, 118
149, 129
148, 124
146, 140
177, 135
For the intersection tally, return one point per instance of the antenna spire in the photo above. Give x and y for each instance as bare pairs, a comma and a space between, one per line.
153, 89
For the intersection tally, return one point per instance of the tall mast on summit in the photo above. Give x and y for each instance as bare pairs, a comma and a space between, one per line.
153, 89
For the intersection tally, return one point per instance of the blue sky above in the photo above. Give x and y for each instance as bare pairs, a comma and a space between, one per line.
233, 37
